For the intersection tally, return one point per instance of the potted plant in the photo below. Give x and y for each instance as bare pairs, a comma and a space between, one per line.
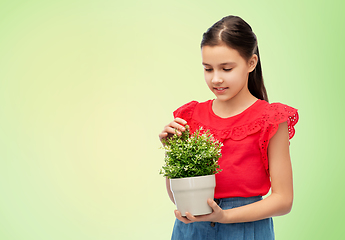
191, 162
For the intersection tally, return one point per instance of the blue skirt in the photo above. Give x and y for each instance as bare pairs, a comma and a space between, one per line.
258, 230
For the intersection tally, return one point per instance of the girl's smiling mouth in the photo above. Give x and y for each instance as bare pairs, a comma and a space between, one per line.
220, 90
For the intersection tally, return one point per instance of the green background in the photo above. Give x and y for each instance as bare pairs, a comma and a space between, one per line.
86, 87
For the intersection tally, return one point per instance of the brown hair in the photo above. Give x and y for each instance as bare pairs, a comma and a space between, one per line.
237, 34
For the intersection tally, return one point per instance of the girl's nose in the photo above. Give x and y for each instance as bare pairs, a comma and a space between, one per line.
217, 79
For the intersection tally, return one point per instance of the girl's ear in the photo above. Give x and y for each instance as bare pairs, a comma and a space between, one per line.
252, 62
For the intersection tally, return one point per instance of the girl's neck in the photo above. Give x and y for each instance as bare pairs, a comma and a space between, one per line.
233, 106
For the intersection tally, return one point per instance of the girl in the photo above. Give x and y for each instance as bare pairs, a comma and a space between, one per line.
255, 134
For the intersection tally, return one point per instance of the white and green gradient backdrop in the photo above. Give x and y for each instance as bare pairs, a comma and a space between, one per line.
86, 86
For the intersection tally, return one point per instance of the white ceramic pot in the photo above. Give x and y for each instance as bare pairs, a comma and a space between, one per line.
191, 194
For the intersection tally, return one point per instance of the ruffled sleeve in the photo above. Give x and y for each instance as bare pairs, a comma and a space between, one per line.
186, 111
275, 114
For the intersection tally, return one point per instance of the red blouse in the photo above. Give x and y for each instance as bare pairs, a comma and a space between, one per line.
245, 137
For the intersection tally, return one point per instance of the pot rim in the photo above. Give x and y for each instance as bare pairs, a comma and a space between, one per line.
205, 176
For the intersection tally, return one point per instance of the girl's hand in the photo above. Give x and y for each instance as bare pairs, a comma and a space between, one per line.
216, 216
169, 130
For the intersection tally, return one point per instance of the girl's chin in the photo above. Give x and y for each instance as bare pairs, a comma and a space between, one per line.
223, 98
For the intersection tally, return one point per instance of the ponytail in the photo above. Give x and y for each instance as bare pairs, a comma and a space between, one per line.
256, 82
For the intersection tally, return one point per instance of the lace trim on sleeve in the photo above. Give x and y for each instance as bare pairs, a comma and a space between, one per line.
278, 113
275, 114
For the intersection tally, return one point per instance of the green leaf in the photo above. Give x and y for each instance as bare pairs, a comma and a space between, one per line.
191, 155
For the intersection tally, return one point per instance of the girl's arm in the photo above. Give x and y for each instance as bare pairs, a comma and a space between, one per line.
279, 202
168, 131
171, 196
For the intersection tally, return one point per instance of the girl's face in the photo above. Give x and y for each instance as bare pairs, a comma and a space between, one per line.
226, 71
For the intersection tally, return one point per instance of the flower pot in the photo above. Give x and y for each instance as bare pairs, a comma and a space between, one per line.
191, 194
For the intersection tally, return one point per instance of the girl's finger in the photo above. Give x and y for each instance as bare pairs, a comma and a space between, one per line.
171, 130
163, 135
190, 217
182, 219
180, 120
213, 205
177, 126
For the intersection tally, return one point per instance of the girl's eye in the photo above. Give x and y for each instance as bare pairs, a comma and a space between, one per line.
227, 69
208, 69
